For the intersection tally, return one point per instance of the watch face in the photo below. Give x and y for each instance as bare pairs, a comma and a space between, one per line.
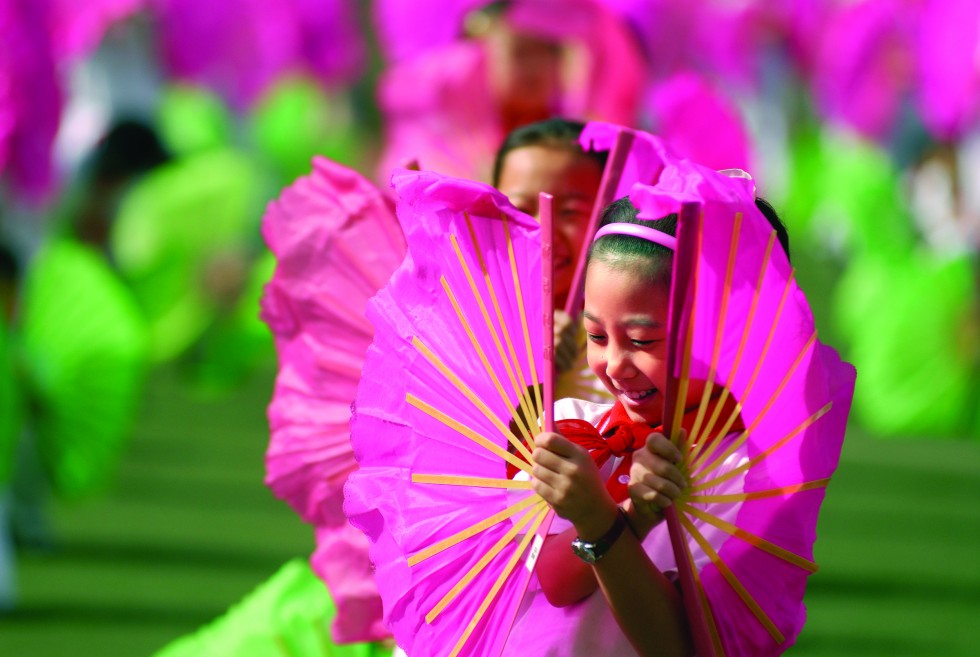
584, 551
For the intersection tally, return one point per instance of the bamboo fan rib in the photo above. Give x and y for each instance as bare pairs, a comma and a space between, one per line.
702, 444
527, 515
486, 317
726, 390
455, 380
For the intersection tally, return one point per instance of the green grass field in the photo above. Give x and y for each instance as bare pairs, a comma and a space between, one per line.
190, 528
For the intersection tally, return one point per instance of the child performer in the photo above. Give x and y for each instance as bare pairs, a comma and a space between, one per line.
547, 157
310, 405
622, 588
626, 292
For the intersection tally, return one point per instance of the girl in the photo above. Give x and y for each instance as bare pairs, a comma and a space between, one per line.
307, 229
626, 293
621, 588
547, 157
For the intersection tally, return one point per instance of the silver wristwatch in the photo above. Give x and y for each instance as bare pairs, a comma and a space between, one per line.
590, 552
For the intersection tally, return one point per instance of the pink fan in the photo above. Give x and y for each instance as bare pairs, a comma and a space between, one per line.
740, 327
239, 48
336, 241
865, 65
682, 105
948, 48
30, 99
451, 394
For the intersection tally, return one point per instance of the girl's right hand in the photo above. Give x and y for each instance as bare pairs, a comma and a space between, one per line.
655, 480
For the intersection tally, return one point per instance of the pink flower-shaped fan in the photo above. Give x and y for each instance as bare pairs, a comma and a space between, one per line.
239, 48
30, 98
948, 67
336, 242
865, 65
739, 322
457, 362
682, 105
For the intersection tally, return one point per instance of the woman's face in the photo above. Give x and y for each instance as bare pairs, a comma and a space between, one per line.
626, 321
525, 74
573, 179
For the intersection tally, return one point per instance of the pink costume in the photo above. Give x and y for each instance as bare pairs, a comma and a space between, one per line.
439, 104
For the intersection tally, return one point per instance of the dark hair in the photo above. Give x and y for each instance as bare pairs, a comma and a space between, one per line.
9, 267
651, 260
769, 213
554, 132
130, 147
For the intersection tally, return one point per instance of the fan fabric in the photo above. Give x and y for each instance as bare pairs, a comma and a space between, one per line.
457, 344
177, 231
740, 323
948, 90
920, 344
336, 241
239, 48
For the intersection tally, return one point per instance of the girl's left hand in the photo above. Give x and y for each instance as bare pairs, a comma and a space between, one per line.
568, 480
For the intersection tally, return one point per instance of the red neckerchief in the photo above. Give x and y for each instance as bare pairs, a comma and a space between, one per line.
621, 436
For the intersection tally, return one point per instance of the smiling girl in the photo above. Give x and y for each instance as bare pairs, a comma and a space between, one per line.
638, 611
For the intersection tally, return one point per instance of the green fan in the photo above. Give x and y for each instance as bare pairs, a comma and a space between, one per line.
84, 351
287, 616
912, 325
862, 192
10, 405
192, 120
295, 120
183, 240
847, 193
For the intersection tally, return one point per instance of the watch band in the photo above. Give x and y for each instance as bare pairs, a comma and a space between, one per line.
592, 551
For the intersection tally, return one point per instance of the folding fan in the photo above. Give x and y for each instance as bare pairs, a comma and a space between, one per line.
744, 528
451, 393
85, 353
336, 241
178, 226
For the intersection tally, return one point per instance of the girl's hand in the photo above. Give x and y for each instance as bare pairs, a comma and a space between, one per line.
566, 477
655, 480
566, 342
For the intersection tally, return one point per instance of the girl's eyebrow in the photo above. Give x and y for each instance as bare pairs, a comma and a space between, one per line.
643, 321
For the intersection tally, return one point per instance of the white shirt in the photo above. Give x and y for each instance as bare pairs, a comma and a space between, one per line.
588, 627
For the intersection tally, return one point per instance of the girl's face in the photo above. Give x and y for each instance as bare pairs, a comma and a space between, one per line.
626, 321
573, 179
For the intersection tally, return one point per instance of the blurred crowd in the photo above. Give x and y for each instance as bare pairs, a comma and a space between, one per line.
140, 141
